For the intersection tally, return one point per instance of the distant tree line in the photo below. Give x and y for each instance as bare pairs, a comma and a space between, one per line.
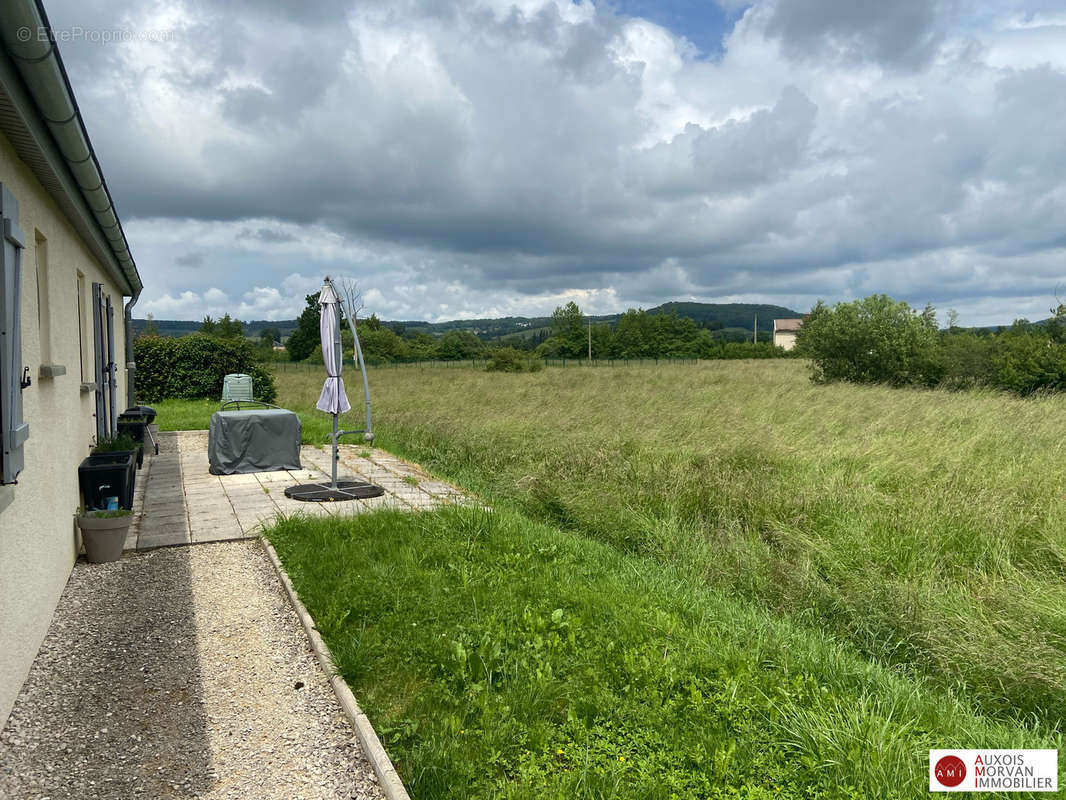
637, 334
881, 340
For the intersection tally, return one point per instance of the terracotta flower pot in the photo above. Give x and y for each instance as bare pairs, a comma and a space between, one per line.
104, 537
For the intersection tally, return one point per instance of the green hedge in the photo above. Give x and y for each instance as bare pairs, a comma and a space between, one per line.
192, 367
880, 340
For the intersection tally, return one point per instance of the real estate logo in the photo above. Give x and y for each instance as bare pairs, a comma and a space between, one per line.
993, 770
949, 771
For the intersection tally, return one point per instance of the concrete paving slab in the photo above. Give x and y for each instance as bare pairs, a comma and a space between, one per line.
221, 534
217, 521
195, 481
163, 508
281, 476
154, 542
152, 523
238, 480
201, 492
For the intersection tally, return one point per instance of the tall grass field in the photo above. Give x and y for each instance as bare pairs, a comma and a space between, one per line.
917, 533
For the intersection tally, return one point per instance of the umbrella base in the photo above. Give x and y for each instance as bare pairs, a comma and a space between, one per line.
322, 493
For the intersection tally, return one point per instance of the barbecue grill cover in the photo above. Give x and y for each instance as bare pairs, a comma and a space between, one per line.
256, 440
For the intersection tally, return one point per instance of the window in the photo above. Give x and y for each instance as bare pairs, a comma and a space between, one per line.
13, 431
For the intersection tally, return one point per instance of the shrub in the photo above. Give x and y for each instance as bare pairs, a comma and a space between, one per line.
874, 340
457, 345
879, 340
1026, 360
966, 359
747, 350
194, 366
155, 358
508, 359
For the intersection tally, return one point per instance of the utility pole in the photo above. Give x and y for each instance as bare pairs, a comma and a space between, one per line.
755, 337
590, 340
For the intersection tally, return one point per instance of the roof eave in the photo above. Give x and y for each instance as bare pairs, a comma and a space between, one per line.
26, 126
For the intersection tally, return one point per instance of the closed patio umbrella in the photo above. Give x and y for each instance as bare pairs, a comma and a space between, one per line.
333, 400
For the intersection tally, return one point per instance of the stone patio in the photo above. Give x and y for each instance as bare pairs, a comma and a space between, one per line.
178, 501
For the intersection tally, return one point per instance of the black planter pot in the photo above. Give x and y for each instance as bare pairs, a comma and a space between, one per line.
134, 424
104, 475
144, 411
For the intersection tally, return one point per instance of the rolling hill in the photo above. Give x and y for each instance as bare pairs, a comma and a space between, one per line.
723, 315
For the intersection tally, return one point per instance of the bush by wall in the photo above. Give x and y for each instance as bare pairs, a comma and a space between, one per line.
729, 350
194, 366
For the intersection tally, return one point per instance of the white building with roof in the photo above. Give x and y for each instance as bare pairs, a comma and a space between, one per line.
65, 371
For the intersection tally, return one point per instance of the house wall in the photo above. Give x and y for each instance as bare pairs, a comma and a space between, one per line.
38, 537
785, 339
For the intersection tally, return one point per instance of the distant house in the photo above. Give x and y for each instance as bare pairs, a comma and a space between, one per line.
64, 270
785, 331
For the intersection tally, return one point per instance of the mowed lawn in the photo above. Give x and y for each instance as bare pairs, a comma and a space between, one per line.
502, 658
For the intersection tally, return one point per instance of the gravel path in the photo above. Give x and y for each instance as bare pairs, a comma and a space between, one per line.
175, 674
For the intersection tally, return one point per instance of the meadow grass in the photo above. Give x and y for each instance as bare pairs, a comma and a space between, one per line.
925, 527
503, 658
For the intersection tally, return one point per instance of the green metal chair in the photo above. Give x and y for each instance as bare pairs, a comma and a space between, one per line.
237, 388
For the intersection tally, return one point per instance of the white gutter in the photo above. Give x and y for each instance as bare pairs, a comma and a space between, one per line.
29, 41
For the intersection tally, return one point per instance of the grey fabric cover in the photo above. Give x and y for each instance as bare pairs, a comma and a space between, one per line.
332, 400
256, 440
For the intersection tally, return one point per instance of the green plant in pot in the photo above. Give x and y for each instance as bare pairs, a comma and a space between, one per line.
133, 422
103, 532
115, 445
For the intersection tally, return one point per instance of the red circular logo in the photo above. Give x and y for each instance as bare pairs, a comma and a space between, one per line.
950, 771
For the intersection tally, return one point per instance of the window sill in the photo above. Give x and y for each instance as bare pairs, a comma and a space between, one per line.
88, 386
51, 371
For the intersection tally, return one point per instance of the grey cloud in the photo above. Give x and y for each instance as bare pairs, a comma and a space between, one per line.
734, 157
190, 260
268, 235
516, 153
902, 33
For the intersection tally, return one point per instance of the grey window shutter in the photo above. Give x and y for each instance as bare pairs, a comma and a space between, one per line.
112, 369
98, 361
13, 430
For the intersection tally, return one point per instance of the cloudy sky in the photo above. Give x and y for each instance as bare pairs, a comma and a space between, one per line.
500, 157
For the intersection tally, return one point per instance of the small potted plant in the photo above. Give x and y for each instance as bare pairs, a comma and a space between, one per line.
132, 423
110, 447
103, 532
109, 471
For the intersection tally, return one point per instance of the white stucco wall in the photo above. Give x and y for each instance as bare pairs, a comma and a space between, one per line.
38, 537
785, 339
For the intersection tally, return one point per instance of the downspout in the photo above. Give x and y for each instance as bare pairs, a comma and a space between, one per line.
131, 362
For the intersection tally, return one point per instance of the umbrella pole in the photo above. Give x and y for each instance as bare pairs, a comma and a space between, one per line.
334, 484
